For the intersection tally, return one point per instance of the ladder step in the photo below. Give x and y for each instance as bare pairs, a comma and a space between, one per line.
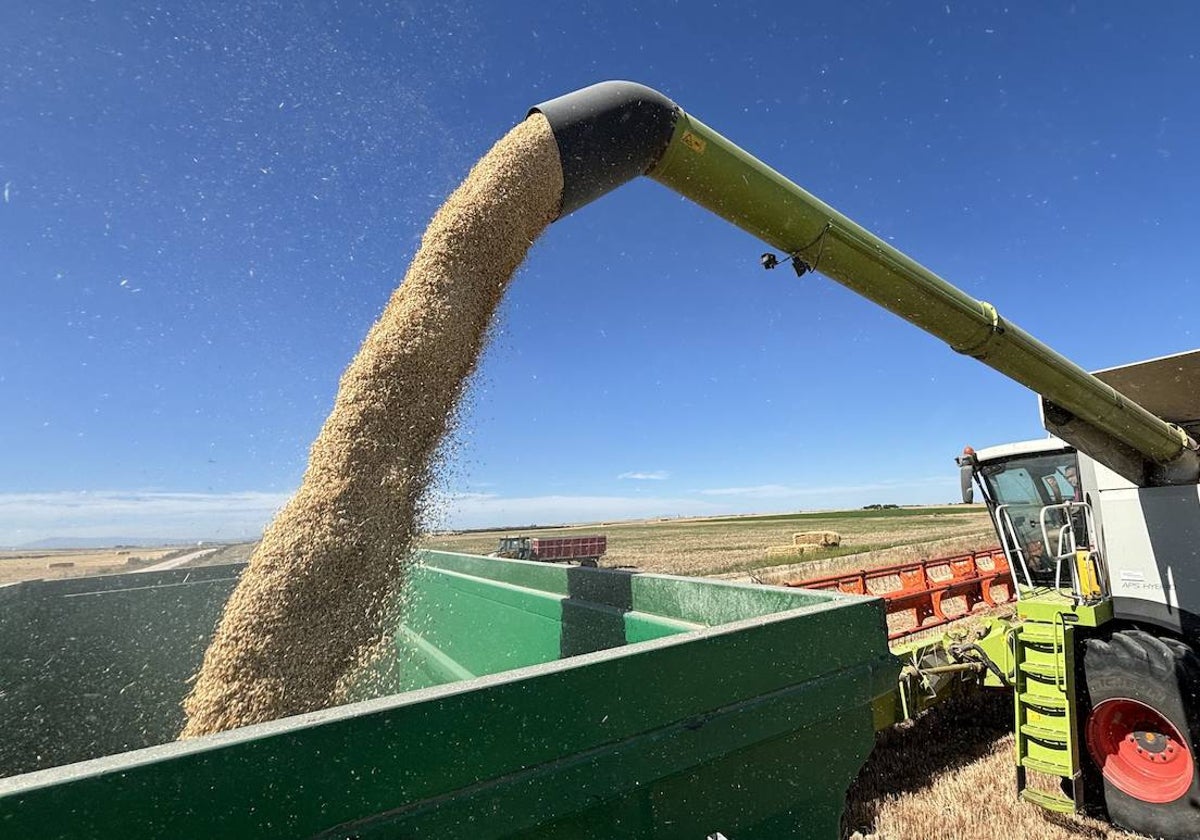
1046, 635
1047, 670
1063, 770
1045, 734
1037, 669
1049, 801
1044, 702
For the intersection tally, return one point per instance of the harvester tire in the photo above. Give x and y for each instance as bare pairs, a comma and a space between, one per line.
1142, 731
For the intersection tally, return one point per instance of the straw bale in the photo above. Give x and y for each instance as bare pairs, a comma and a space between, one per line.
824, 538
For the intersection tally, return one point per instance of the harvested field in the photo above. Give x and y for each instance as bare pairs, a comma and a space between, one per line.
788, 553
835, 562
949, 776
726, 545
50, 564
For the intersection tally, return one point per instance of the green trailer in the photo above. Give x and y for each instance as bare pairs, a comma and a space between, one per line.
518, 700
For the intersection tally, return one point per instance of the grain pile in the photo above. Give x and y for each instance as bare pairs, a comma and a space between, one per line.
315, 594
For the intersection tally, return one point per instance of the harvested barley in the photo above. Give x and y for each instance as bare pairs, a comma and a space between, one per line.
313, 600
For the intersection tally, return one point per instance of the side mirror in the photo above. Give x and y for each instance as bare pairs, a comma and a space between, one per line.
966, 468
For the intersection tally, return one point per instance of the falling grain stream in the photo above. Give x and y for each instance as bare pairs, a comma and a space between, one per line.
313, 599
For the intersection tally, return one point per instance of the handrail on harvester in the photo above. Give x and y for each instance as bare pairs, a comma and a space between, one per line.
611, 132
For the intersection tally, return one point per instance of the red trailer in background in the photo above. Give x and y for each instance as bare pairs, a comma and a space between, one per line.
568, 548
585, 550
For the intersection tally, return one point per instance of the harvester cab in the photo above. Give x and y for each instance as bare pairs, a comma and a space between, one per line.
1046, 528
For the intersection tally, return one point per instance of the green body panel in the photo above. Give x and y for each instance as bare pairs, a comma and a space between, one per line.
707, 168
1047, 604
1032, 653
636, 705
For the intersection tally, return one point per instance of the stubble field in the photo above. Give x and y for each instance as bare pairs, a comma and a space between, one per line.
51, 564
737, 544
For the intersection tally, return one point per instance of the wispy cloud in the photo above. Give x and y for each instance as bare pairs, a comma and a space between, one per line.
646, 475
481, 510
918, 486
760, 491
25, 517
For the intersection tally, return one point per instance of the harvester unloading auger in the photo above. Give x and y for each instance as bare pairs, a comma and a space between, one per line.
534, 701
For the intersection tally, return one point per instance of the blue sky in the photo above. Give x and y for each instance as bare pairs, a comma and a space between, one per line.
206, 206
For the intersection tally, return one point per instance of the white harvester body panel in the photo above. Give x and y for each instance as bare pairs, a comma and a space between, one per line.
1150, 539
1167, 386
1125, 542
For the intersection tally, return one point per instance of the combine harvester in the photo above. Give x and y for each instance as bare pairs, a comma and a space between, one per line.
531, 700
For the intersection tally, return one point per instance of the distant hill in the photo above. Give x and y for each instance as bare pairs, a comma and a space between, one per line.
110, 542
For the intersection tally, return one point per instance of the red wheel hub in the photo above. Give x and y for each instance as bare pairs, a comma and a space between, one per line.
1139, 751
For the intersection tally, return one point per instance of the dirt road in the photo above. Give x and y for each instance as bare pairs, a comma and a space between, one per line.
176, 562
